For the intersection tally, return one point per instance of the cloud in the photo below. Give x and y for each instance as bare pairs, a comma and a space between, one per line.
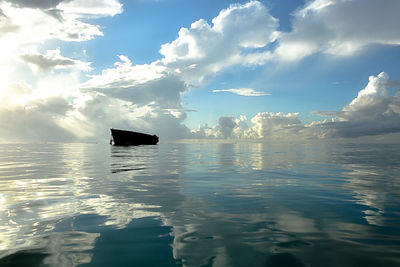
53, 59
6, 25
32, 125
141, 84
143, 97
226, 126
43, 25
247, 35
243, 34
103, 112
62, 20
393, 84
276, 125
263, 126
339, 27
76, 7
242, 91
200, 51
45, 111
24, 117
148, 96
42, 4
373, 112
232, 39
91, 8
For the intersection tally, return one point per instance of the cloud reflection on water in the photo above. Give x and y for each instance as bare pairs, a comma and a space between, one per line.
225, 204
54, 185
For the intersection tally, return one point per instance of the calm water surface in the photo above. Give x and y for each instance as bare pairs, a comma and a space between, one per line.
200, 205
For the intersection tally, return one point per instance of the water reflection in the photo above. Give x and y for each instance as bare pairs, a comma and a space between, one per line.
200, 204
312, 207
373, 176
55, 249
62, 181
138, 159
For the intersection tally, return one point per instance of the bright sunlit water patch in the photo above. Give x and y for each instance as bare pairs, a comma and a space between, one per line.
200, 205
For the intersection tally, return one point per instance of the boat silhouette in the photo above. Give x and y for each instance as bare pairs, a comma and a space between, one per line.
131, 138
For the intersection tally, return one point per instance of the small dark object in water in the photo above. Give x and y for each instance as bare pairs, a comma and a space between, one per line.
130, 138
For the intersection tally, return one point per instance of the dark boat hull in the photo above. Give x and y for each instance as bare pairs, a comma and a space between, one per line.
130, 138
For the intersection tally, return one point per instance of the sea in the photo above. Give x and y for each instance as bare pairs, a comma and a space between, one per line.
200, 204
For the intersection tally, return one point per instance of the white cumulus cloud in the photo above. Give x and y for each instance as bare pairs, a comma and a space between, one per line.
91, 7
374, 111
340, 27
205, 49
263, 126
43, 25
272, 125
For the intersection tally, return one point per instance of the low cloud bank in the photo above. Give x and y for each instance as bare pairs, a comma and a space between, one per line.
375, 111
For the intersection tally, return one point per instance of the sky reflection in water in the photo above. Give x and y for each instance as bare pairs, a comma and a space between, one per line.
200, 204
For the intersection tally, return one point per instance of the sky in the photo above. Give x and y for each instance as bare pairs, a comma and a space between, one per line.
248, 70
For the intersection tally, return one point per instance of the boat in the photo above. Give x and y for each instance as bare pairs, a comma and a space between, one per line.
130, 138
